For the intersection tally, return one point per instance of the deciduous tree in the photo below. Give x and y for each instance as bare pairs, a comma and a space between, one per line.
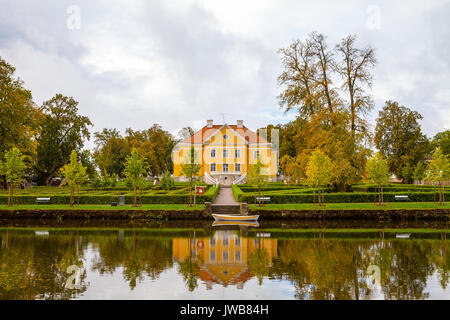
399, 138
190, 169
378, 173
135, 171
75, 174
319, 173
12, 168
62, 130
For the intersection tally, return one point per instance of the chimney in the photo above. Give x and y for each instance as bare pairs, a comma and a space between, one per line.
240, 123
209, 123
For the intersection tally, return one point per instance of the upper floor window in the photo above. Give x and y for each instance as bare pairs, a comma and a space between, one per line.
212, 167
225, 153
237, 167
225, 137
213, 153
225, 167
256, 154
237, 153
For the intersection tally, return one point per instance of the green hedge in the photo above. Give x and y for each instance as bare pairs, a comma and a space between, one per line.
237, 192
338, 197
209, 196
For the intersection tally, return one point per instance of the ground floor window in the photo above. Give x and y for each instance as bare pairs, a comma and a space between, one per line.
212, 167
237, 167
225, 167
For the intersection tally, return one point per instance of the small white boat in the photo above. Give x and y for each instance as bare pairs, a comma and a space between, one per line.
235, 223
402, 235
41, 233
234, 217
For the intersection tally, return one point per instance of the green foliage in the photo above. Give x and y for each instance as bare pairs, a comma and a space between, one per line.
442, 140
408, 173
167, 182
62, 130
135, 171
12, 168
190, 169
318, 172
19, 118
439, 171
75, 174
419, 171
399, 137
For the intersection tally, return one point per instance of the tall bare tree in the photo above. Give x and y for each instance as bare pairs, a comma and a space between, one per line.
355, 68
325, 61
299, 72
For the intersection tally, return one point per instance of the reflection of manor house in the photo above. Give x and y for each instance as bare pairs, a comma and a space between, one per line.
225, 153
223, 258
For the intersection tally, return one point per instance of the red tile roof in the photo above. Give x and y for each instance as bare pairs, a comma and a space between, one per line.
204, 133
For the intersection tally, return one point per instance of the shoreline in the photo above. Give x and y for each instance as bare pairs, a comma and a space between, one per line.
161, 213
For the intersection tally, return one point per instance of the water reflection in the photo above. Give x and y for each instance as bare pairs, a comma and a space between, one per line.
223, 263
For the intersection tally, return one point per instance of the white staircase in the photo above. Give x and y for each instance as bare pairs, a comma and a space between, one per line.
240, 179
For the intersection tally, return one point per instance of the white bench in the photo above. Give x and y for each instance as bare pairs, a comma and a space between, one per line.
263, 199
42, 200
401, 198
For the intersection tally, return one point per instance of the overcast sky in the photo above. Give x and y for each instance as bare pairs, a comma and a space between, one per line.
178, 63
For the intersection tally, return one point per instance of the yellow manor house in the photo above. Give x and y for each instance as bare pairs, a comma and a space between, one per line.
226, 152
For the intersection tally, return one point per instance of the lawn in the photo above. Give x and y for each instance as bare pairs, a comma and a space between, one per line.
352, 206
102, 207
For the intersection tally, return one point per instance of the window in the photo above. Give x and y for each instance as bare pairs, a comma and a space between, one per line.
225, 256
213, 153
212, 167
237, 242
212, 242
237, 256
212, 255
237, 167
237, 153
224, 241
225, 137
225, 167
256, 154
225, 153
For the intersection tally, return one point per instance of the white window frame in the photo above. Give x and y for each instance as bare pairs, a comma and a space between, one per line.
225, 153
237, 153
213, 153
227, 166
237, 164
211, 169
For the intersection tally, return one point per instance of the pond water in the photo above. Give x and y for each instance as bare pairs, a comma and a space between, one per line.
195, 260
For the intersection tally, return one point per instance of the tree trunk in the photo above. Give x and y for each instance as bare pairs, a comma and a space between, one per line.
71, 196
9, 195
134, 196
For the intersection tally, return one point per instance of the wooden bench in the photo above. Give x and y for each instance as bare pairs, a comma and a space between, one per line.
401, 198
42, 200
263, 199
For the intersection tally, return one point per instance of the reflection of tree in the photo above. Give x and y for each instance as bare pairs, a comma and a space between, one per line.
35, 268
190, 267
337, 269
138, 255
258, 264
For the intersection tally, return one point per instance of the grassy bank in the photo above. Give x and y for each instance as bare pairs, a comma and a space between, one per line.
353, 206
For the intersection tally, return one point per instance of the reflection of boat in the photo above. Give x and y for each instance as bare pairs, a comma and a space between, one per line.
402, 235
234, 217
235, 223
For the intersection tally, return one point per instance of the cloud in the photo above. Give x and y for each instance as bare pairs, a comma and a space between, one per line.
178, 63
